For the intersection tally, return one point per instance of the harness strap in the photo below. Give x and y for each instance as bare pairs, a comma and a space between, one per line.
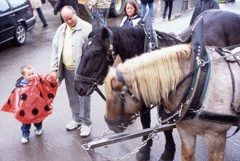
222, 53
150, 42
219, 117
178, 115
206, 115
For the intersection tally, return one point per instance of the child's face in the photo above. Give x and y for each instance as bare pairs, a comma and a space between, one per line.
130, 10
29, 75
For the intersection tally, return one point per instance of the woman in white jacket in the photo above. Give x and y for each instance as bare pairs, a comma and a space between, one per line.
131, 14
36, 4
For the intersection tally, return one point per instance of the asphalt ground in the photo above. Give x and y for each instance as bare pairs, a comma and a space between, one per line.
57, 144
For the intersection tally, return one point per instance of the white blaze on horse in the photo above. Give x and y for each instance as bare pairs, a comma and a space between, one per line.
162, 78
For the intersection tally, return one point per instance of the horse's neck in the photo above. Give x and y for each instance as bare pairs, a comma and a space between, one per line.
130, 47
175, 98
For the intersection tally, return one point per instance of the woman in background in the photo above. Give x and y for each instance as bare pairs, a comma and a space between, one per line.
131, 14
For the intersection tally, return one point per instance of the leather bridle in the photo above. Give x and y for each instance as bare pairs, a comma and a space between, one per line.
122, 123
95, 80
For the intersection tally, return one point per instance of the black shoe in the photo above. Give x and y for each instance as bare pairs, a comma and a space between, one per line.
45, 25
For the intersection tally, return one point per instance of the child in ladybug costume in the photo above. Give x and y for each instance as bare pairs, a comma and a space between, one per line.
31, 100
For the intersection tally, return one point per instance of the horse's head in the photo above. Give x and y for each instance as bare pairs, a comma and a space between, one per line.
97, 55
121, 103
144, 80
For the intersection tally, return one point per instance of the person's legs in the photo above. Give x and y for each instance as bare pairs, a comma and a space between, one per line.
170, 4
25, 132
38, 130
98, 19
150, 5
143, 9
105, 14
80, 106
26, 129
85, 115
95, 21
73, 98
40, 14
38, 125
165, 10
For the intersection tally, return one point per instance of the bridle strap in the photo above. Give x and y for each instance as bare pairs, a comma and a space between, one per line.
93, 80
83, 79
110, 52
120, 77
122, 122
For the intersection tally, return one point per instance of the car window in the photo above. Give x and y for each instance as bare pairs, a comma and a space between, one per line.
4, 7
17, 3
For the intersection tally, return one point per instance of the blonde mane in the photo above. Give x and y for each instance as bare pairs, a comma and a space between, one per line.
108, 89
154, 74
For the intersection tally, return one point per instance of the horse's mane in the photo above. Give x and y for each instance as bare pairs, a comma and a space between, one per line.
128, 41
155, 74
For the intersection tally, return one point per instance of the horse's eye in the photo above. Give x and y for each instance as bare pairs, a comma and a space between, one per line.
89, 43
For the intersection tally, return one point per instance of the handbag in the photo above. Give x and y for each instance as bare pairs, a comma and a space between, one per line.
43, 1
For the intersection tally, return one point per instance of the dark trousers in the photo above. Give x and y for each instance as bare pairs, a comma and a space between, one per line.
168, 5
26, 128
40, 14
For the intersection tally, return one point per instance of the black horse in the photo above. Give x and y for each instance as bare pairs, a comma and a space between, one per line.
104, 43
221, 28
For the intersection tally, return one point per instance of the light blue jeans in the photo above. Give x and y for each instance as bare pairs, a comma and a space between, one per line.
144, 9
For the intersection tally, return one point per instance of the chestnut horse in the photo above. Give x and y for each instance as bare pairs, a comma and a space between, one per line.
162, 78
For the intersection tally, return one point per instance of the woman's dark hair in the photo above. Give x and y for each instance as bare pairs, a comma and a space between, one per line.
135, 5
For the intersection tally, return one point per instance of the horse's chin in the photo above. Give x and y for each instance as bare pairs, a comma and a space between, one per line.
116, 129
84, 92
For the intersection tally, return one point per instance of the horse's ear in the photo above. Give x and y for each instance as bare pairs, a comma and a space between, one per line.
116, 85
104, 33
91, 34
107, 34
